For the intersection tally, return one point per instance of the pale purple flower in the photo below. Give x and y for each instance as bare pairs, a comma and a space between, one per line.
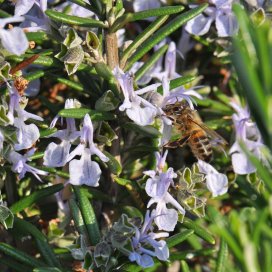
13, 40
34, 14
146, 237
216, 182
248, 134
169, 73
137, 109
20, 166
185, 43
169, 70
22, 7
56, 155
84, 170
27, 135
178, 94
157, 188
220, 11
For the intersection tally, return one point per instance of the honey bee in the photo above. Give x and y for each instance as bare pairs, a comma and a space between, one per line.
194, 132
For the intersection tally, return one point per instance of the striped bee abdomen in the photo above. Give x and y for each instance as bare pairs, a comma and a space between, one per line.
200, 145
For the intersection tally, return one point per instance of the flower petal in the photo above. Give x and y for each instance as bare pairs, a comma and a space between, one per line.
84, 171
201, 24
14, 40
141, 116
166, 219
241, 164
56, 155
30, 134
217, 184
23, 6
226, 23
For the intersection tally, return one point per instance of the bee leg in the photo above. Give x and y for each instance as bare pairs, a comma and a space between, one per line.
180, 142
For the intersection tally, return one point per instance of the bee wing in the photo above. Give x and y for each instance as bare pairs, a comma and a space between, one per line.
216, 138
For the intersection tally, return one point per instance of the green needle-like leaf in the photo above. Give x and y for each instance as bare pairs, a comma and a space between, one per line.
199, 231
164, 32
141, 38
41, 60
41, 240
189, 254
72, 84
31, 199
141, 15
114, 166
35, 75
20, 256
150, 62
184, 266
222, 256
177, 82
36, 36
87, 214
97, 4
77, 217
178, 238
73, 20
80, 113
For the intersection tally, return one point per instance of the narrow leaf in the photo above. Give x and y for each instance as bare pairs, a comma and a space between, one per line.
222, 257
114, 165
77, 217
31, 199
199, 231
164, 32
73, 20
20, 256
80, 113
189, 254
184, 266
141, 15
36, 36
87, 214
41, 240
177, 82
141, 38
150, 62
178, 238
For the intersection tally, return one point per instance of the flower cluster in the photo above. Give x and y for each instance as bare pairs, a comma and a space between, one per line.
32, 18
157, 188
219, 11
146, 236
134, 239
57, 155
247, 134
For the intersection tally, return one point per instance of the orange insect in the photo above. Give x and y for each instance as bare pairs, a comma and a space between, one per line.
194, 132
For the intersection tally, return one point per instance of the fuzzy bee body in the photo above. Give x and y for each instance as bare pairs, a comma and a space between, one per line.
193, 131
